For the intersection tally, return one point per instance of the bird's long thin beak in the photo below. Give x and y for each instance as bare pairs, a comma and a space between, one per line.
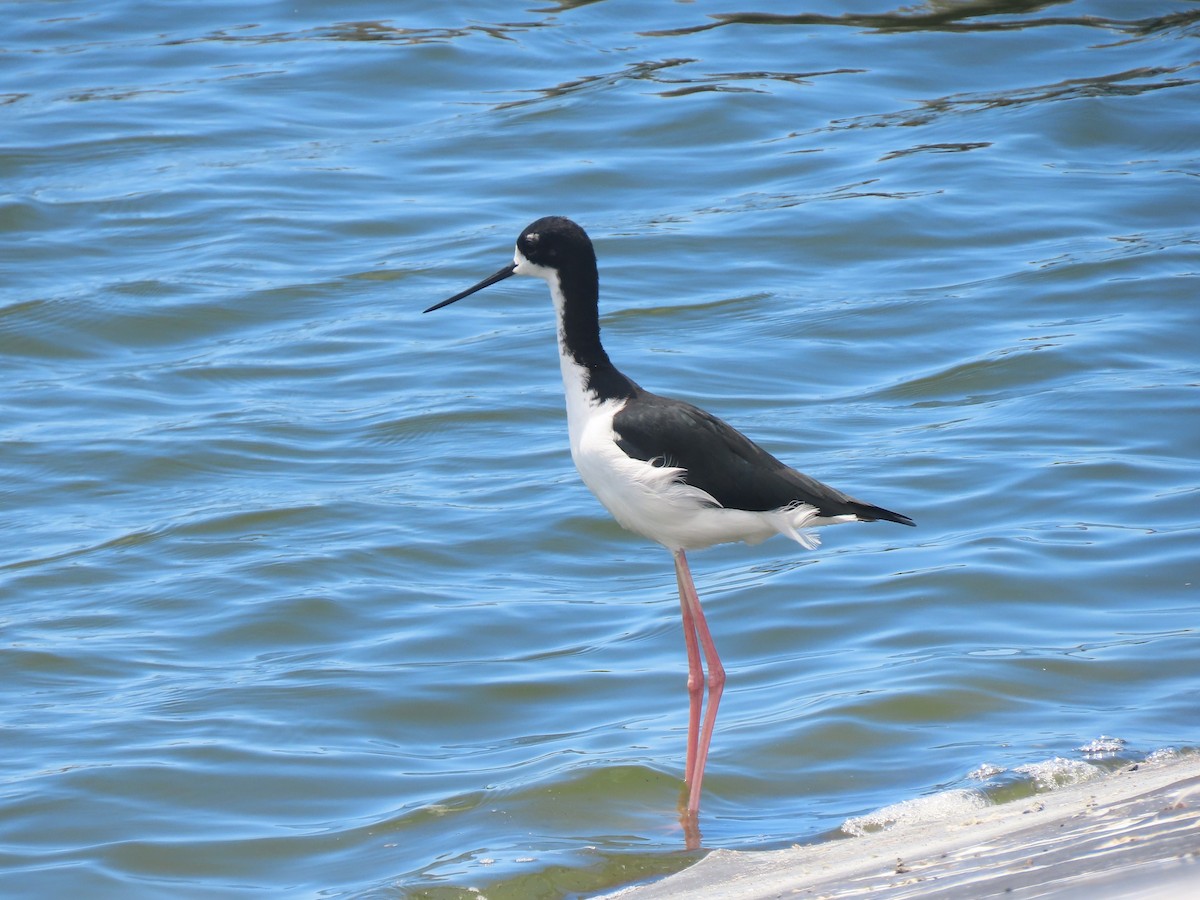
491, 279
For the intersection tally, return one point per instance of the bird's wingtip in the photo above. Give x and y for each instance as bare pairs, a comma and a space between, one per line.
869, 513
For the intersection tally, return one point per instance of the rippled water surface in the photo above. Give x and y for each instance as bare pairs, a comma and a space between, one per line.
299, 592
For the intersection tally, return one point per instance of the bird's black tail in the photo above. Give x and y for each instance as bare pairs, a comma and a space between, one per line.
868, 513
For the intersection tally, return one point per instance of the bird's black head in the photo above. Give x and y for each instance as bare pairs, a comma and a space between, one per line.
554, 242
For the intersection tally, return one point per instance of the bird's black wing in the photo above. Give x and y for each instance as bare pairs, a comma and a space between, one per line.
721, 460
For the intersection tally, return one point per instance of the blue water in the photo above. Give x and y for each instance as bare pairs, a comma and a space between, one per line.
300, 594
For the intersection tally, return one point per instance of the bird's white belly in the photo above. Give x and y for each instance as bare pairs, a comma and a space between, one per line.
653, 500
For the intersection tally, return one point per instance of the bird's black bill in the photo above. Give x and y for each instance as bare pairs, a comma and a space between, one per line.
491, 279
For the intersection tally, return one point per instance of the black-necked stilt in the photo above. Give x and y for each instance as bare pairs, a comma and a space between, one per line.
665, 469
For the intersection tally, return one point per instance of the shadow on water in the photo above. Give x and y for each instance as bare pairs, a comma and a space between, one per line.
950, 16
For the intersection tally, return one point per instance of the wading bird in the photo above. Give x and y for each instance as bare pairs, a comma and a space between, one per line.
665, 469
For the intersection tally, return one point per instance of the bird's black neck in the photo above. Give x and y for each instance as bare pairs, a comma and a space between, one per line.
579, 333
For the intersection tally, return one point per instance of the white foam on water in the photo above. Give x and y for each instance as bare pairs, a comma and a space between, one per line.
934, 808
1102, 746
1047, 775
1059, 772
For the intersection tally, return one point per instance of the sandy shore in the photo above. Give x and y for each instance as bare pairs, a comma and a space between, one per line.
1132, 834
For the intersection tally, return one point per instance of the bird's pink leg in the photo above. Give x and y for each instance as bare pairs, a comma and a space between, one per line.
696, 630
695, 681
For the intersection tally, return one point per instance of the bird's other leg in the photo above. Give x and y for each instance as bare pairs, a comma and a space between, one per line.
716, 677
695, 680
